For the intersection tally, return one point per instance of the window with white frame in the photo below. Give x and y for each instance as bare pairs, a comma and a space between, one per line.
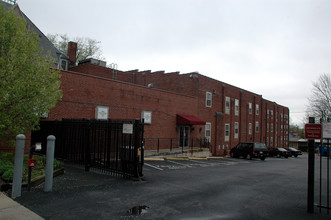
208, 131
271, 127
250, 128
227, 132
271, 114
257, 109
227, 105
236, 129
250, 108
256, 126
208, 99
236, 107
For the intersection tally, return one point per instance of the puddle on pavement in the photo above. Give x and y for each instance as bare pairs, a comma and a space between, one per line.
138, 210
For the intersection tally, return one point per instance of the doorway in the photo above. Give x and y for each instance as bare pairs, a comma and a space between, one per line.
184, 136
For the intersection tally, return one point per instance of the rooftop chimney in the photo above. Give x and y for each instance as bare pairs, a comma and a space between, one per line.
72, 51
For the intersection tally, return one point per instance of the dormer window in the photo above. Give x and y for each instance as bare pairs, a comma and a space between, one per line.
64, 64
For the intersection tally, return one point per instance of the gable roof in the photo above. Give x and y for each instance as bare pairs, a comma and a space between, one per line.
44, 42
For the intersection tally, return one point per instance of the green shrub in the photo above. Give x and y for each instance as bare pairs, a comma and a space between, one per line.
4, 166
8, 175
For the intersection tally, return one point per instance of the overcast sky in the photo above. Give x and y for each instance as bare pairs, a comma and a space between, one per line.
275, 48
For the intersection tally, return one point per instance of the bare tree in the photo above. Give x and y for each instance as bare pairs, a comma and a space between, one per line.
320, 99
86, 47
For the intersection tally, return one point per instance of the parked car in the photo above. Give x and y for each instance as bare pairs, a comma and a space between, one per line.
293, 152
278, 152
250, 150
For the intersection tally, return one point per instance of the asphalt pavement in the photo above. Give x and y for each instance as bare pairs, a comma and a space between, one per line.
217, 188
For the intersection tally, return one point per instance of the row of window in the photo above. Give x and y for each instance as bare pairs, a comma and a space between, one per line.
236, 131
270, 113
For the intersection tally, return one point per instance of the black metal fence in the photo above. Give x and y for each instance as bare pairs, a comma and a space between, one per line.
113, 146
171, 144
324, 157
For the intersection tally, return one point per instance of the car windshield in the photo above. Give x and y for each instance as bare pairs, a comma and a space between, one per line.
281, 149
260, 146
292, 149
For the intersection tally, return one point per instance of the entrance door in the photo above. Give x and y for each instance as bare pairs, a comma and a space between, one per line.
184, 136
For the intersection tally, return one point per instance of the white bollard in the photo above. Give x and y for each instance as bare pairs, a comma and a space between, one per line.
18, 166
49, 163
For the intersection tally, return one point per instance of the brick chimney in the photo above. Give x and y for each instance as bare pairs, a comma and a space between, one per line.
72, 51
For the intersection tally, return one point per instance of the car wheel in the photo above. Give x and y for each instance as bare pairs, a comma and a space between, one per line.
278, 155
295, 155
262, 158
231, 154
286, 157
249, 157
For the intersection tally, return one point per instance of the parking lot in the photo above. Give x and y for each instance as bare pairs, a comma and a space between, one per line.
217, 188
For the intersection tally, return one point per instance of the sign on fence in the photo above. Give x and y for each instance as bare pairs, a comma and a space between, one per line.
327, 130
313, 131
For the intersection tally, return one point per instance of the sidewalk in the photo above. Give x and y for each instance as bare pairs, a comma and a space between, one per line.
9, 209
177, 153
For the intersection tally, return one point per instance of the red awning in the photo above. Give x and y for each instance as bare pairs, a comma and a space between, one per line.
189, 120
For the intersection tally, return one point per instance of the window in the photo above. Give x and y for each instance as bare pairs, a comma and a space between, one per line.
236, 130
257, 109
267, 113
250, 108
256, 126
267, 127
227, 105
64, 65
208, 99
250, 128
227, 132
272, 127
271, 114
236, 107
208, 131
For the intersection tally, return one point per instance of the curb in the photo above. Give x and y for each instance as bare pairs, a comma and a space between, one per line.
34, 182
198, 158
153, 159
176, 158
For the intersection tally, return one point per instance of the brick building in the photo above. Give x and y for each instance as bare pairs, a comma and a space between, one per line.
179, 109
185, 108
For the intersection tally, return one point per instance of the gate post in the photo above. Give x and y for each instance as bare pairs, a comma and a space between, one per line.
311, 170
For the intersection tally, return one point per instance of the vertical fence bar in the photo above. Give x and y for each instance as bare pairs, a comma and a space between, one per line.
311, 170
328, 178
170, 144
320, 154
158, 145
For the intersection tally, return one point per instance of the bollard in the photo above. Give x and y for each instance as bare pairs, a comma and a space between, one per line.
18, 166
49, 163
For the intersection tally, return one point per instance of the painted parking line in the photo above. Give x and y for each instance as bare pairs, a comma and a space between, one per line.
153, 166
181, 164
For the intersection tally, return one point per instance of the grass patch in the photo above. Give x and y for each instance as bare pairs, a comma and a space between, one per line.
7, 166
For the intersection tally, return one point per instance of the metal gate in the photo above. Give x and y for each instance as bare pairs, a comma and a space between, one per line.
323, 177
112, 146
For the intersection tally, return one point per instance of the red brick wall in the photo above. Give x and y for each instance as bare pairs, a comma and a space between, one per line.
83, 93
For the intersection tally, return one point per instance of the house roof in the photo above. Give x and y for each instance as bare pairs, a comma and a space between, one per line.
44, 42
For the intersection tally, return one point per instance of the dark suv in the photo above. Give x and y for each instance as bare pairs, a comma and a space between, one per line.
250, 150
